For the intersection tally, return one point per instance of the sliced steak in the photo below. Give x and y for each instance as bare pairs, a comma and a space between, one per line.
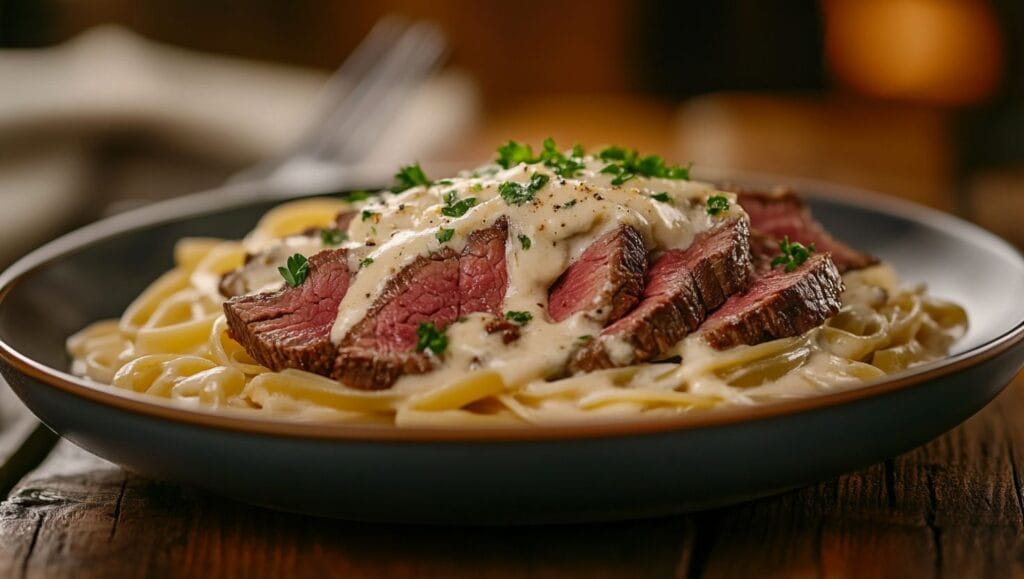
682, 286
483, 276
291, 328
605, 282
436, 289
780, 214
778, 305
380, 348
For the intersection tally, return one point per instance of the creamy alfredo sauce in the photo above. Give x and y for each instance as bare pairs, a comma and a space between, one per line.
564, 217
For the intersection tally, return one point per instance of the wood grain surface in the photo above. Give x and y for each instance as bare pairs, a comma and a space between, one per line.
952, 508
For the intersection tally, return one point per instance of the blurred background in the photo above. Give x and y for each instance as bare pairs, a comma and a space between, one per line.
108, 104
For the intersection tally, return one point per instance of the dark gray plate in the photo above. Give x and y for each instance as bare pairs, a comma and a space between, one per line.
523, 475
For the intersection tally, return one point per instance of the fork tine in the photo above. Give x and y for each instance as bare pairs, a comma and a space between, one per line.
355, 125
370, 52
351, 140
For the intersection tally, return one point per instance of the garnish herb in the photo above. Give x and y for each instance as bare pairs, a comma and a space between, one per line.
663, 197
366, 262
367, 214
584, 339
332, 236
455, 208
428, 337
717, 204
296, 271
793, 254
520, 318
356, 196
517, 193
445, 182
445, 235
476, 188
512, 153
408, 177
625, 164
563, 166
567, 204
525, 241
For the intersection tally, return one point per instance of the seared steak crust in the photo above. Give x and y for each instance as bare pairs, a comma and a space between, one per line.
682, 286
778, 305
606, 281
291, 328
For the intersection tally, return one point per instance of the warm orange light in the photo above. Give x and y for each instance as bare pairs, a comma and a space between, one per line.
947, 52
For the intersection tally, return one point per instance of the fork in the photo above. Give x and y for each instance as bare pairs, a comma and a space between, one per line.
357, 104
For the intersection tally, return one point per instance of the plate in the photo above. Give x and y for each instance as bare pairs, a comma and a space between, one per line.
561, 474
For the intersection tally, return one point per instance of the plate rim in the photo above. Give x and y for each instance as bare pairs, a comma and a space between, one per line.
238, 423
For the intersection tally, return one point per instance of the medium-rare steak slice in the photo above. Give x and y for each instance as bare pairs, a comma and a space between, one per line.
436, 289
483, 277
605, 282
291, 328
380, 347
778, 305
781, 214
682, 286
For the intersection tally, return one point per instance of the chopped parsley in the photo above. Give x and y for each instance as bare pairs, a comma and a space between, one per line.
445, 235
663, 197
408, 177
525, 241
717, 204
626, 164
512, 153
520, 318
567, 204
455, 208
367, 261
428, 337
367, 214
445, 182
584, 339
332, 236
296, 271
356, 196
476, 188
563, 166
793, 254
517, 193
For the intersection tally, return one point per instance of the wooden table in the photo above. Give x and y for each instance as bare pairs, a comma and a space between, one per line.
952, 508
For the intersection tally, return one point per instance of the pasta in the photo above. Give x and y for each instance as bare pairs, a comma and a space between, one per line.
173, 342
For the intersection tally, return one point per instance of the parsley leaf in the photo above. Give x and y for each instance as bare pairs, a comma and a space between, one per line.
455, 208
428, 337
520, 318
717, 204
525, 241
663, 197
793, 254
357, 196
512, 153
563, 166
297, 270
367, 214
332, 236
584, 339
408, 177
517, 193
366, 262
626, 164
445, 235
